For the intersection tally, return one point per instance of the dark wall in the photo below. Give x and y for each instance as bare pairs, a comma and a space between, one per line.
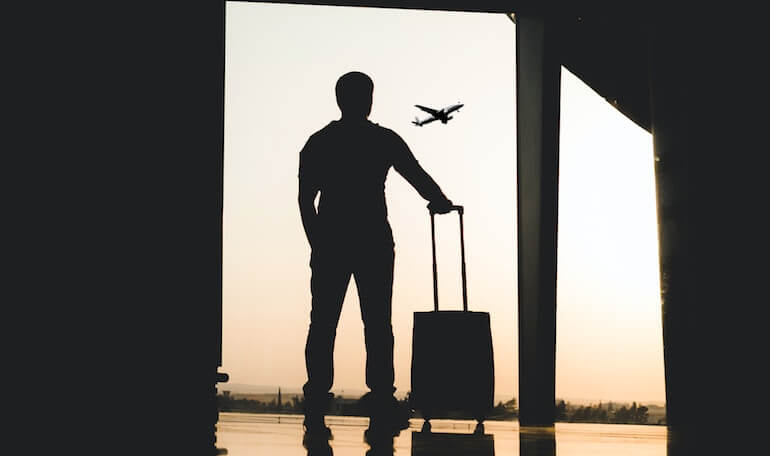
166, 129
123, 141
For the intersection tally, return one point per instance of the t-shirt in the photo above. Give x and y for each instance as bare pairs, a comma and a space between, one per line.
348, 163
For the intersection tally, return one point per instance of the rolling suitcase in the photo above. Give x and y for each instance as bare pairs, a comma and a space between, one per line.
452, 361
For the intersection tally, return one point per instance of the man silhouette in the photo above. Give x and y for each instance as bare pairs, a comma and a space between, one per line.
347, 161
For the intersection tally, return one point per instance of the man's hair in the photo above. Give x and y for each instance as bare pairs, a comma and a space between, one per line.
354, 93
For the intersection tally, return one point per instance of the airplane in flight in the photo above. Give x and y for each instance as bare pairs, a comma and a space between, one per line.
437, 114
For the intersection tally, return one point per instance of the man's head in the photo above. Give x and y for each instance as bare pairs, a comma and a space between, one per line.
354, 94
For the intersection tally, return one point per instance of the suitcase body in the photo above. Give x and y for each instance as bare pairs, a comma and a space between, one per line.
452, 357
452, 364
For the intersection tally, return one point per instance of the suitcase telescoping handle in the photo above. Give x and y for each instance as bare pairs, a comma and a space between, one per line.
460, 211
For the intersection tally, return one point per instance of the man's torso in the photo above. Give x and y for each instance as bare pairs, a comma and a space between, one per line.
349, 164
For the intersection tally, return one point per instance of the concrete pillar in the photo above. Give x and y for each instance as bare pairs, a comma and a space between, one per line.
672, 145
712, 200
538, 75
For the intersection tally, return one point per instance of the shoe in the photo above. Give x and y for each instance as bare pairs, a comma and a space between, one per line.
380, 434
315, 407
315, 427
316, 445
397, 414
386, 410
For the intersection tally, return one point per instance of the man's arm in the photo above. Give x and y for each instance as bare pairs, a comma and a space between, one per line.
308, 189
408, 166
307, 210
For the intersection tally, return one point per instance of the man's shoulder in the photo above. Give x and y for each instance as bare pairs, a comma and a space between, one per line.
385, 132
323, 132
380, 128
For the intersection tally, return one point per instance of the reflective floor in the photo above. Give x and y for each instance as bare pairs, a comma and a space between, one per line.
281, 435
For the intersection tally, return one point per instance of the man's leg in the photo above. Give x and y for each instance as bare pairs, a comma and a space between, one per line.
374, 280
328, 284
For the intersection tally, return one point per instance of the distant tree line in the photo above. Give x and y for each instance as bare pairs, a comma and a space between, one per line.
565, 412
601, 413
503, 411
344, 407
228, 403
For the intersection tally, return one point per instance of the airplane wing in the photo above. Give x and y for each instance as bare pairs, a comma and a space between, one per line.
430, 111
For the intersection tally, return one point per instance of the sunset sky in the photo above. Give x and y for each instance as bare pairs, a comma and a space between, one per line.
282, 62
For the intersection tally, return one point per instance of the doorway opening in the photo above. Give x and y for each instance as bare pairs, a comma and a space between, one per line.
282, 62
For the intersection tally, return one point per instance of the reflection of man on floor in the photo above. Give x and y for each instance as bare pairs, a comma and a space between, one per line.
347, 161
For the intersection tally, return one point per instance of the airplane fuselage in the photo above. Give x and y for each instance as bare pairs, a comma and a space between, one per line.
441, 114
444, 116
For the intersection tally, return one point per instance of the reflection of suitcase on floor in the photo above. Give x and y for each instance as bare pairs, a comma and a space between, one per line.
452, 444
452, 362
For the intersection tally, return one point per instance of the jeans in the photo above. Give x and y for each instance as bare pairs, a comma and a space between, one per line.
371, 265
